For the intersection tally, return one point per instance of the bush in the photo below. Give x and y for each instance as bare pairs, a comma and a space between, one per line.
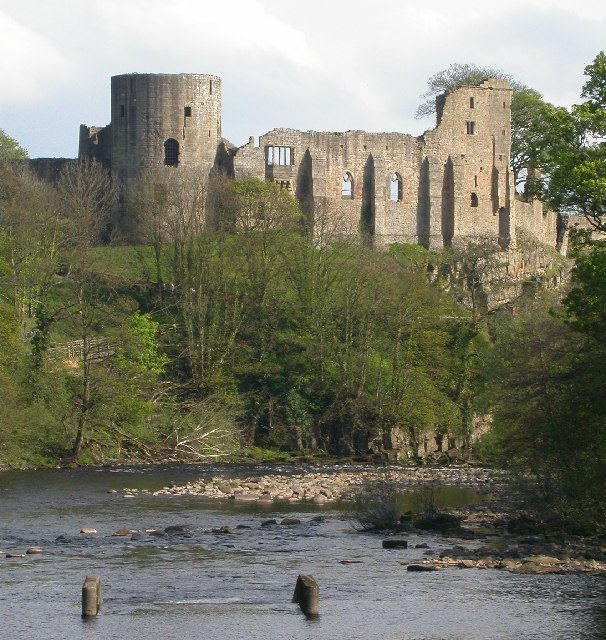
374, 504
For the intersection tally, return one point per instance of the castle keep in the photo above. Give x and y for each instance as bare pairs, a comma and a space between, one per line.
450, 184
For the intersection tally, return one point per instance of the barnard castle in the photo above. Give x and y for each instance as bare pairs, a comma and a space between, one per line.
447, 186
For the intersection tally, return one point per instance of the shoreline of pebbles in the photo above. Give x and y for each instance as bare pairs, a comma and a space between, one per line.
322, 487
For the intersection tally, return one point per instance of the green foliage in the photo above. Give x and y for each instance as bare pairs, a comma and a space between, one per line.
549, 386
578, 164
10, 149
586, 302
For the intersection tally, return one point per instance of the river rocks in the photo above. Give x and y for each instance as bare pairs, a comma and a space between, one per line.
267, 523
222, 530
421, 567
422, 545
395, 543
123, 532
33, 550
290, 521
88, 530
351, 561
176, 529
522, 556
63, 539
322, 487
15, 555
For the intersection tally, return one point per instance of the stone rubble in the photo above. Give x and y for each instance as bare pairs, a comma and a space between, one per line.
320, 488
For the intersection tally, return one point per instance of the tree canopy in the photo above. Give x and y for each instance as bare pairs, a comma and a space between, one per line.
10, 149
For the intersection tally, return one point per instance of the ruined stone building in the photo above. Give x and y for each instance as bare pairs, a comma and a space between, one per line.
450, 184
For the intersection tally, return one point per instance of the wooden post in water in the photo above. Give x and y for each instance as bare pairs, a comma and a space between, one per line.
91, 596
307, 594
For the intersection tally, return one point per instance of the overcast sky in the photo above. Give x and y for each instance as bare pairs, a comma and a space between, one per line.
311, 64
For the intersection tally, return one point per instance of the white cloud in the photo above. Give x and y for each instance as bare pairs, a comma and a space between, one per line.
30, 65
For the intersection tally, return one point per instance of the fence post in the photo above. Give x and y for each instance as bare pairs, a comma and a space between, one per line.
91, 596
307, 595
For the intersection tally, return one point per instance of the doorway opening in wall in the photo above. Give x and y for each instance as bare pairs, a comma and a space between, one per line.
395, 188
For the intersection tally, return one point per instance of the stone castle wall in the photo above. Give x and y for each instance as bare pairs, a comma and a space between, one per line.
455, 180
149, 110
453, 183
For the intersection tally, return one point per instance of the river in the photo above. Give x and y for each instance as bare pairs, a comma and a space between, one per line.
232, 586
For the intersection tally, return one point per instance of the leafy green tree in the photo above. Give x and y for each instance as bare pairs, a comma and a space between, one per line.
10, 149
578, 182
549, 398
538, 128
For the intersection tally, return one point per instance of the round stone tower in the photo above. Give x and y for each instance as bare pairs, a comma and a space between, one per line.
163, 122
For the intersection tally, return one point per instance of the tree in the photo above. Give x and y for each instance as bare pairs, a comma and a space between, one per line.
458, 75
10, 149
549, 398
87, 198
578, 180
537, 127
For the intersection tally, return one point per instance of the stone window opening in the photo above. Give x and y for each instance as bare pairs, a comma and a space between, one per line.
210, 88
472, 103
284, 184
395, 188
171, 153
187, 112
473, 201
475, 181
347, 186
280, 156
471, 128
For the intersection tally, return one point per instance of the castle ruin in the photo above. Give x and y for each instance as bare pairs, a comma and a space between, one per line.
444, 187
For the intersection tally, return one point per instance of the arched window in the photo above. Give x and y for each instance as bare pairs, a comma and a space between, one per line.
395, 188
171, 152
347, 186
473, 201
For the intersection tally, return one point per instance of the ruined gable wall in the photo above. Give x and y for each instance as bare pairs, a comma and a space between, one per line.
480, 164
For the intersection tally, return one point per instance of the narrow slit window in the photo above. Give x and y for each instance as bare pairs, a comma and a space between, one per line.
473, 201
122, 111
187, 112
171, 153
347, 186
395, 188
471, 128
475, 181
281, 156
472, 103
210, 88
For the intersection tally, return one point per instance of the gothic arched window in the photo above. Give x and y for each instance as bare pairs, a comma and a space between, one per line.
347, 186
395, 188
171, 152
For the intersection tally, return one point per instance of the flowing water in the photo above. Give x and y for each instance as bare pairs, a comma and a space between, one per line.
220, 586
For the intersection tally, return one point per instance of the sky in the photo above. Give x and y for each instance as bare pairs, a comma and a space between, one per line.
324, 65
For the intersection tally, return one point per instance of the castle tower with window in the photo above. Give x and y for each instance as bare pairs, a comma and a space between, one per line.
159, 122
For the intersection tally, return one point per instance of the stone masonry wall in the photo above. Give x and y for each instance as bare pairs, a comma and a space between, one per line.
455, 180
